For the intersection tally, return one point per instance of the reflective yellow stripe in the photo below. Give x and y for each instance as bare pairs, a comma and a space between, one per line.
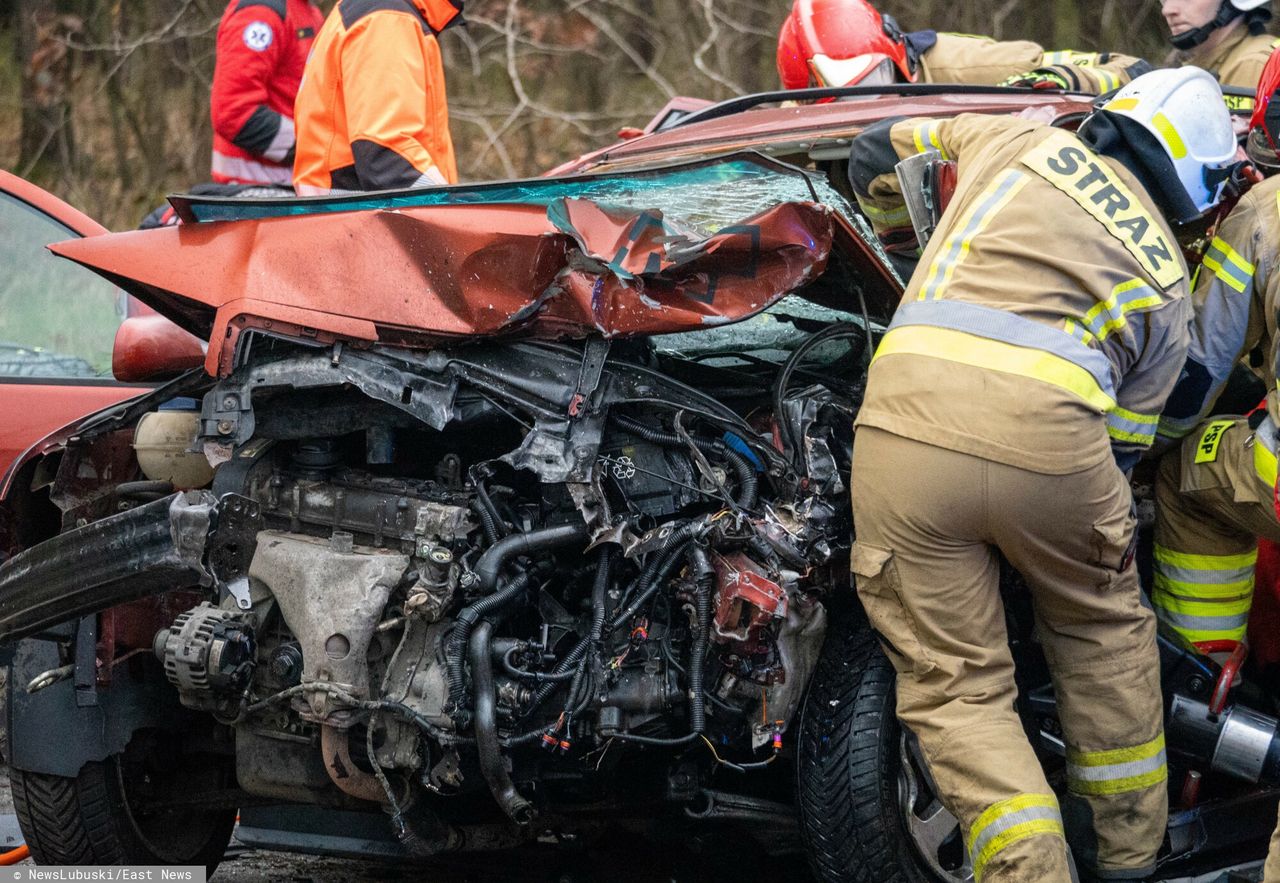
1130, 426
1206, 562
1075, 330
967, 349
1121, 104
1169, 133
1195, 636
1203, 608
956, 247
1203, 590
1009, 821
1227, 264
926, 138
1119, 770
893, 217
1202, 620
1264, 463
1117, 307
1117, 755
1108, 82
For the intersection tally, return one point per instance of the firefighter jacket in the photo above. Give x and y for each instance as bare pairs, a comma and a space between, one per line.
1237, 61
961, 58
1237, 299
261, 51
372, 113
1047, 319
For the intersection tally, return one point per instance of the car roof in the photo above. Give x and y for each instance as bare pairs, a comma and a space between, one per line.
44, 201
750, 124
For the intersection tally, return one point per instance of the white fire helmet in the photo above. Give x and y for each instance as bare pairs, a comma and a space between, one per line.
1184, 111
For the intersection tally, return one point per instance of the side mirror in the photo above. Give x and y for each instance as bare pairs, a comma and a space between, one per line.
150, 347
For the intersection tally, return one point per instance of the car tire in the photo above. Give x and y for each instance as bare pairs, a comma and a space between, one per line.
102, 817
866, 809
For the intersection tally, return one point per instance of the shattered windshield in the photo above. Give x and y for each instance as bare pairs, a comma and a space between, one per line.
701, 196
770, 336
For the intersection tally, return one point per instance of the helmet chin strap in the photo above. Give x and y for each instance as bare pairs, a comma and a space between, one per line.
1227, 13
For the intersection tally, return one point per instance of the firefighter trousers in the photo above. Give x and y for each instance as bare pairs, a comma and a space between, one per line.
1213, 502
929, 522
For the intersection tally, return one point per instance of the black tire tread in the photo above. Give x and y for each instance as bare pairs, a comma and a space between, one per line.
846, 775
84, 820
67, 821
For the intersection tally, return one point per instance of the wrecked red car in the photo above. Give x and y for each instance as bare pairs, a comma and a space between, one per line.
513, 510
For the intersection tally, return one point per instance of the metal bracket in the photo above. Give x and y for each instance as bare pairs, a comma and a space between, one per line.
594, 356
86, 670
231, 545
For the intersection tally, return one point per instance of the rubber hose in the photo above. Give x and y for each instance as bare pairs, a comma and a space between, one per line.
564, 665
748, 484
700, 564
456, 651
540, 677
599, 613
487, 524
486, 502
704, 581
600, 592
15, 855
492, 764
496, 556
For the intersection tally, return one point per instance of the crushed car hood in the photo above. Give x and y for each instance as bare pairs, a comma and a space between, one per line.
657, 251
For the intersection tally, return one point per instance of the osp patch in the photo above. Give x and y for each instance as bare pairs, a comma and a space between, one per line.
258, 35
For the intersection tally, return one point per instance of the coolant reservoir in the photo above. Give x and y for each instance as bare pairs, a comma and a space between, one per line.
161, 442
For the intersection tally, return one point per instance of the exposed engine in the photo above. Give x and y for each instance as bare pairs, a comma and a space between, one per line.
501, 598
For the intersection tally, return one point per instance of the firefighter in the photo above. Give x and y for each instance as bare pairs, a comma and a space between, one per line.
261, 50
848, 42
1023, 372
372, 113
1216, 494
1225, 37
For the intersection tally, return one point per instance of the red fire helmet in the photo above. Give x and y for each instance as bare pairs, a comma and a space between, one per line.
1264, 125
838, 43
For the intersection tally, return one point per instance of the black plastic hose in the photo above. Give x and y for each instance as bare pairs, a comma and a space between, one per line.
705, 583
456, 650
487, 524
480, 473
748, 484
496, 556
493, 765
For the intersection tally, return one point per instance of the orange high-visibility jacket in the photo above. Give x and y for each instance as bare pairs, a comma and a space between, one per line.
371, 113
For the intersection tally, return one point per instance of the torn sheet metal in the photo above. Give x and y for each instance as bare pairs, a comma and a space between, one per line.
416, 275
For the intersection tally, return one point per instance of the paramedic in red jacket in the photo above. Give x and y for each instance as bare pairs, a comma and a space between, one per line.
262, 49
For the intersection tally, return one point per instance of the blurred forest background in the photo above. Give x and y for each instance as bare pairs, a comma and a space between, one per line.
106, 101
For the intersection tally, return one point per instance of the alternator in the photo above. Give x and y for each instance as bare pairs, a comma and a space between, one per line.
208, 654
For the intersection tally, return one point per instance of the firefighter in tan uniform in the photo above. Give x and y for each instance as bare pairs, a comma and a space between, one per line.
1228, 38
1216, 495
1028, 364
848, 42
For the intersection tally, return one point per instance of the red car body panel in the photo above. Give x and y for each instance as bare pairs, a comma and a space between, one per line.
416, 275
